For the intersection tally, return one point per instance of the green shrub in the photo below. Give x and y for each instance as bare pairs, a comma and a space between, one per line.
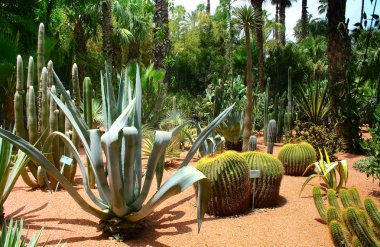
317, 135
364, 166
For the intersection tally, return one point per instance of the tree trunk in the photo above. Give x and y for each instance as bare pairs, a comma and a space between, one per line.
362, 13
282, 21
161, 35
80, 51
208, 6
248, 79
304, 19
338, 54
107, 28
258, 10
133, 52
276, 20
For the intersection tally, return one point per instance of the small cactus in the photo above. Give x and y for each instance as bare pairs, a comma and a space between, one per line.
331, 196
319, 204
267, 187
271, 135
296, 158
332, 214
372, 211
252, 144
229, 176
355, 197
337, 234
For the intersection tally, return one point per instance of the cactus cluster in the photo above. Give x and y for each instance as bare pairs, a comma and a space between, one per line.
228, 173
267, 187
353, 225
296, 157
42, 114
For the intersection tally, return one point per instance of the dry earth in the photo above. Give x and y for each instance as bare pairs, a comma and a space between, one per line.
294, 222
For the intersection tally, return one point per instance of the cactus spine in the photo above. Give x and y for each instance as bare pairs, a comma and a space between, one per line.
296, 157
88, 118
355, 197
271, 135
337, 234
266, 106
229, 176
252, 143
267, 187
331, 196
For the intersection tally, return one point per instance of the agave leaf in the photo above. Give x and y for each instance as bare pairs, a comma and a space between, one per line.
38, 157
312, 176
71, 147
310, 166
204, 135
178, 182
161, 141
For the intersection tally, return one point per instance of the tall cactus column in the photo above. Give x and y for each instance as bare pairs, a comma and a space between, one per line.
266, 106
289, 109
271, 135
19, 101
89, 119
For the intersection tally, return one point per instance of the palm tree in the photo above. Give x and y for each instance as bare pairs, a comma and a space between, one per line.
246, 19
304, 19
338, 50
282, 5
107, 30
276, 2
208, 6
258, 25
161, 34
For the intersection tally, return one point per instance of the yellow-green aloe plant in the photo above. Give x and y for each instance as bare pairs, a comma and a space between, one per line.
122, 204
328, 172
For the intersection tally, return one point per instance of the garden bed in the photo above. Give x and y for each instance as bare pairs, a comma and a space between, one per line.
294, 222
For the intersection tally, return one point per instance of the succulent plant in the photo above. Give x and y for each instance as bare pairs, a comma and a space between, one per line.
280, 117
229, 176
267, 187
231, 129
87, 102
297, 157
350, 226
271, 135
266, 113
288, 118
252, 145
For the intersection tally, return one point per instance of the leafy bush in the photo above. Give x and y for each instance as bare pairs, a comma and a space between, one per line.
317, 135
364, 166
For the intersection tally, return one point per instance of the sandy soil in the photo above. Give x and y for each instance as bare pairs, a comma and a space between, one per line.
294, 222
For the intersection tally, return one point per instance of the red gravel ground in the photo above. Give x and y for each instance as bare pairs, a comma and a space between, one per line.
294, 222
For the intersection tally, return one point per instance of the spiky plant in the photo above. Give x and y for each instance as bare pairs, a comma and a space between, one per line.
296, 157
267, 188
229, 176
122, 192
271, 135
231, 129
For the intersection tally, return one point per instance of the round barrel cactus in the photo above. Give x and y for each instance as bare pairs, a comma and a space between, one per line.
229, 176
267, 187
296, 157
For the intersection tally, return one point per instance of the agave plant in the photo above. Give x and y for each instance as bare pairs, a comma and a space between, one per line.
122, 204
314, 102
8, 176
212, 144
328, 171
11, 235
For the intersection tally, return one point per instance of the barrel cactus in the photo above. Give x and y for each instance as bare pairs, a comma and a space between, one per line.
296, 157
229, 176
267, 187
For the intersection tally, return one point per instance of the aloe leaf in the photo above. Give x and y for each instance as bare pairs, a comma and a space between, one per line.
38, 157
178, 182
204, 135
161, 141
312, 176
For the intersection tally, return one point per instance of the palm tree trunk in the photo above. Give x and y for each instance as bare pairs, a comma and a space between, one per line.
276, 20
258, 10
208, 6
338, 54
107, 28
248, 79
304, 19
362, 13
161, 35
282, 21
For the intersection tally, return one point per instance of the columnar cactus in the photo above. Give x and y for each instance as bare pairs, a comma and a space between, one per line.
218, 98
87, 100
289, 109
18, 100
267, 187
280, 117
40, 66
350, 226
229, 176
266, 106
252, 143
296, 158
372, 211
271, 135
